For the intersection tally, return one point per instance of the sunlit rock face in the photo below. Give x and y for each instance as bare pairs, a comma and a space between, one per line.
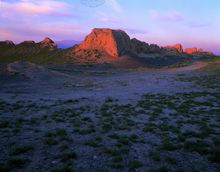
198, 52
178, 47
113, 42
191, 50
48, 43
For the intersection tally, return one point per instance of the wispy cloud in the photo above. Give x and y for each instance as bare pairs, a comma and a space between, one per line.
165, 16
57, 31
31, 7
114, 4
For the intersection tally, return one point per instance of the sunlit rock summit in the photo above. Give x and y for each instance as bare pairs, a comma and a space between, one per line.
114, 42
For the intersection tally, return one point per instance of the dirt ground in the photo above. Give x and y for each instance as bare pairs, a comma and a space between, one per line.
72, 118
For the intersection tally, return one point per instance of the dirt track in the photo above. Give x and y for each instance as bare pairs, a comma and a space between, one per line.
37, 81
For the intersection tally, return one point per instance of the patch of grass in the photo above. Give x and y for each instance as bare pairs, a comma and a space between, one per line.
166, 144
61, 132
49, 138
149, 127
13, 163
161, 169
87, 130
63, 168
122, 141
22, 149
134, 164
50, 141
4, 124
197, 146
154, 155
87, 119
94, 142
106, 127
214, 156
117, 165
65, 156
171, 160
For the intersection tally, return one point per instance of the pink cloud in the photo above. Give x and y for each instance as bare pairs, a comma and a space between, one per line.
45, 7
57, 31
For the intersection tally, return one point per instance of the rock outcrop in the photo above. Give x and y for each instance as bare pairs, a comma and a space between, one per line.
191, 50
143, 47
139, 46
198, 52
154, 48
7, 43
113, 42
48, 43
178, 47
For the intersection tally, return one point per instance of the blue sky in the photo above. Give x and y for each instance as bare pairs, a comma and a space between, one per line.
194, 23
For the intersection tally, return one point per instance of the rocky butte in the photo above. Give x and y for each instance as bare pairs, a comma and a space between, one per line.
113, 42
117, 43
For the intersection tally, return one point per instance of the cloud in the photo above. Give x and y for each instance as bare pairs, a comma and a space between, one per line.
165, 16
115, 5
57, 31
31, 7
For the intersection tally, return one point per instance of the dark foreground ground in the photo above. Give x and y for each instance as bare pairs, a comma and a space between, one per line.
61, 118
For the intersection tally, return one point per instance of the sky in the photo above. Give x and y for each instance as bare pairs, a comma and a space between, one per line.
193, 23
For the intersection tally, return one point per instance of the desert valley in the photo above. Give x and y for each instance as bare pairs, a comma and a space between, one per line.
139, 93
110, 103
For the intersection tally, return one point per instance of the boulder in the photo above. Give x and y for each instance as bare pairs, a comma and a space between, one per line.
113, 42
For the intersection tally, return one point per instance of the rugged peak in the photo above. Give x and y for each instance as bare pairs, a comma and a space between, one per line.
178, 47
113, 42
47, 40
48, 43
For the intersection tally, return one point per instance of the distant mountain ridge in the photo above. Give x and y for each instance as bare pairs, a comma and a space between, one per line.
67, 43
102, 45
